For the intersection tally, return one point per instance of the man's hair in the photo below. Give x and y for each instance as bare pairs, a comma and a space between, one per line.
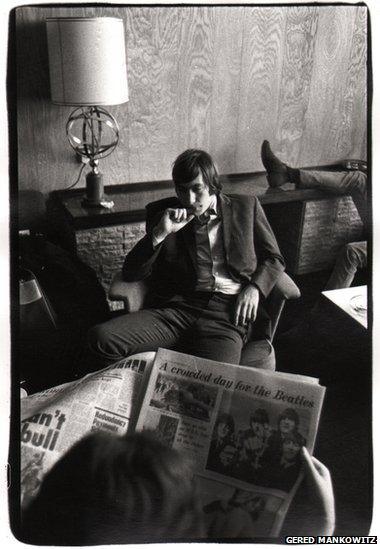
227, 419
291, 414
295, 437
259, 416
193, 162
112, 489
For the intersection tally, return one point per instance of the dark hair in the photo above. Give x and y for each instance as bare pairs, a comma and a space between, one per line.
111, 489
295, 437
259, 416
190, 164
227, 419
291, 414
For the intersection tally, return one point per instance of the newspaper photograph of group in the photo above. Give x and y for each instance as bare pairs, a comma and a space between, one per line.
243, 428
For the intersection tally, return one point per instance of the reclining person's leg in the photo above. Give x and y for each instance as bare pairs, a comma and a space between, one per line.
351, 258
349, 182
339, 183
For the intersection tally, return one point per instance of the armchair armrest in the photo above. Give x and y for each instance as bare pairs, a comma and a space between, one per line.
284, 289
133, 294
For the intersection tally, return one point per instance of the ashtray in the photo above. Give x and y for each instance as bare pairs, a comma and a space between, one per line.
358, 304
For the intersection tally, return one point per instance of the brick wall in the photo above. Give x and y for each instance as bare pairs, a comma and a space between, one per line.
328, 225
104, 250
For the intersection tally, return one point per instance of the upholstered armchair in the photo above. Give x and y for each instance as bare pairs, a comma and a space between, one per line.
256, 352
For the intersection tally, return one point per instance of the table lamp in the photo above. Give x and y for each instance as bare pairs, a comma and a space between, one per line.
87, 66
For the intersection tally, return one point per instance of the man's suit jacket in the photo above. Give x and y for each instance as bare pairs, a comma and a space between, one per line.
252, 253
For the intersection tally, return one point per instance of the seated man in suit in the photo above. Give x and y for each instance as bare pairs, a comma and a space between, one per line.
210, 258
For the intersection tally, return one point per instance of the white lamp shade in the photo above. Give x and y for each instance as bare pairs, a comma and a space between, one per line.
87, 61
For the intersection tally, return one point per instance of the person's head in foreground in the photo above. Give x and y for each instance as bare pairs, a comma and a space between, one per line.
111, 489
196, 180
108, 489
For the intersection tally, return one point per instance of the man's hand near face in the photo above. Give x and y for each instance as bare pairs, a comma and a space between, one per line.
173, 220
246, 305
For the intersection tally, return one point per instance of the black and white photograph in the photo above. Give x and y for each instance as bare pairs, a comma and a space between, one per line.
234, 511
190, 399
198, 178
263, 448
165, 430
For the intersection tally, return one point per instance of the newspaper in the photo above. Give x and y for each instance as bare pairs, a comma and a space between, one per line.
54, 419
244, 429
242, 426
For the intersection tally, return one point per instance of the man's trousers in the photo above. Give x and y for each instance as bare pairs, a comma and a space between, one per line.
201, 325
339, 183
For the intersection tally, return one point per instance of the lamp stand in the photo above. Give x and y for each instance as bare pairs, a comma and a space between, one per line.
94, 190
93, 133
87, 66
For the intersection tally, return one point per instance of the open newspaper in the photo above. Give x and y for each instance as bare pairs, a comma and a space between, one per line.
54, 419
243, 427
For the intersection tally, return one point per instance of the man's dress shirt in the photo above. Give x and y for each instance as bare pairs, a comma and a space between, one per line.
212, 273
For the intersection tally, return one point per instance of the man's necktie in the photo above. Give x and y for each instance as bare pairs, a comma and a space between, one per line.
204, 218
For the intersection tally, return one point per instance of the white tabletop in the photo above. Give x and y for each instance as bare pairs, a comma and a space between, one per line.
352, 301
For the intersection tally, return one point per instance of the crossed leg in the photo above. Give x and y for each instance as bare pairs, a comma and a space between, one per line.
145, 330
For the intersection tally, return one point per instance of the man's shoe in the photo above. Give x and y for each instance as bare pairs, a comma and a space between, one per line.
277, 171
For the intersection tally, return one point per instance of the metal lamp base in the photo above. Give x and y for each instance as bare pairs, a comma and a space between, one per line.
94, 191
94, 134
86, 203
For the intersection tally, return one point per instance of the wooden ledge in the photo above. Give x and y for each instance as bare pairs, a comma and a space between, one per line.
130, 199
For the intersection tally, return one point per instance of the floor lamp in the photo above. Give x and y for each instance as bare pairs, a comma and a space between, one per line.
87, 66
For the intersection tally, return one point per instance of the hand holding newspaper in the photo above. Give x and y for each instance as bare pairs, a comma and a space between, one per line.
244, 429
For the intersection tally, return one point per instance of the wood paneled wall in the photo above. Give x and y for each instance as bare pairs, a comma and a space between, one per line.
221, 78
